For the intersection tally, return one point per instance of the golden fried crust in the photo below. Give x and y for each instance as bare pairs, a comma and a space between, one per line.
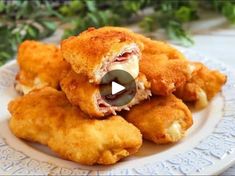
40, 61
86, 95
154, 47
47, 117
89, 50
155, 118
164, 66
81, 93
165, 75
210, 81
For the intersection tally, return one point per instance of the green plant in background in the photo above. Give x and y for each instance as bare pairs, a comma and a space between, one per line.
87, 13
170, 15
36, 19
21, 20
228, 10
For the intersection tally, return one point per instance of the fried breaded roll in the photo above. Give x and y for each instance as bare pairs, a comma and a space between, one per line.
164, 66
39, 65
94, 52
87, 96
161, 119
154, 47
202, 87
165, 75
47, 117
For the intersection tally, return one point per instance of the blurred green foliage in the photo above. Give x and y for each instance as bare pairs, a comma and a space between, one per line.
21, 20
167, 14
35, 19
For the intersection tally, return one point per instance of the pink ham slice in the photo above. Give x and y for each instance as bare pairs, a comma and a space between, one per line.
125, 56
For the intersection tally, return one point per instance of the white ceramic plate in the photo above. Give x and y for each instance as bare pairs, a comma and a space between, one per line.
208, 148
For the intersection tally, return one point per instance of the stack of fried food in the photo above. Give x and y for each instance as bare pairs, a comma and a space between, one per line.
61, 106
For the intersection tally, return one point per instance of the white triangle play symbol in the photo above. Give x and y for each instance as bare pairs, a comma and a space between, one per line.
116, 87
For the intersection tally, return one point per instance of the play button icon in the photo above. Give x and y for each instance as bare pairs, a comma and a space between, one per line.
117, 88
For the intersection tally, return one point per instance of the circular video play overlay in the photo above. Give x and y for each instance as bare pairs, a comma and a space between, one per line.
117, 87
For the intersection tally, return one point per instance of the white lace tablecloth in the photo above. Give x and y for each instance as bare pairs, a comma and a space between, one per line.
213, 37
221, 45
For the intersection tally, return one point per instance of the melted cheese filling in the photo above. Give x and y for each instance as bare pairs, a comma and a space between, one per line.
175, 131
202, 100
24, 89
191, 69
38, 83
131, 65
